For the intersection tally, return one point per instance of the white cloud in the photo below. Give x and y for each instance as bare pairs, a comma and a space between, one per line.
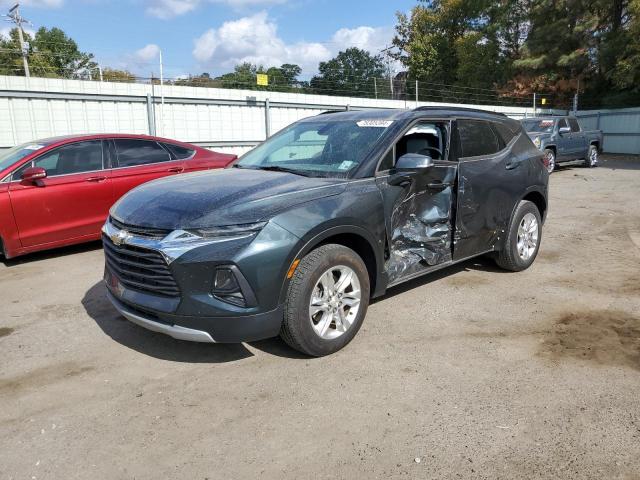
254, 39
172, 8
32, 3
5, 31
367, 38
147, 53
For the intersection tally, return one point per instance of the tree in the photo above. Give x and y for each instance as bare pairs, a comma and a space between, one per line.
286, 75
351, 72
51, 54
115, 75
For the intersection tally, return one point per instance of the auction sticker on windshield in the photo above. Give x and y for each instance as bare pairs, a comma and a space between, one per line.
374, 123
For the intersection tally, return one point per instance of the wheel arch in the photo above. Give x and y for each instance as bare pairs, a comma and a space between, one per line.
357, 239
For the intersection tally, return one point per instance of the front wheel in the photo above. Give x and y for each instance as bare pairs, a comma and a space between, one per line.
592, 159
326, 302
523, 239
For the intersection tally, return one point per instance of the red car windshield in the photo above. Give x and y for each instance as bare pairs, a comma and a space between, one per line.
11, 156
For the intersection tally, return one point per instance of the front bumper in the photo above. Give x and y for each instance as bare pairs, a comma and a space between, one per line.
189, 310
247, 328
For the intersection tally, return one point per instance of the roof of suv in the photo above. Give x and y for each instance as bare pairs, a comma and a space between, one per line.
400, 113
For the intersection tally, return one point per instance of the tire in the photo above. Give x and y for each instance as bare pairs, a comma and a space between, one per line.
592, 159
550, 159
511, 256
302, 331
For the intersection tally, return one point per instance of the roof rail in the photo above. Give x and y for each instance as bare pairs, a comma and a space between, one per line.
332, 111
459, 109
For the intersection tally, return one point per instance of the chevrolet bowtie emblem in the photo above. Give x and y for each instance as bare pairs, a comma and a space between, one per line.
120, 237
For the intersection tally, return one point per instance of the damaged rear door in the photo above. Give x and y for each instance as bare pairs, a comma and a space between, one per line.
418, 205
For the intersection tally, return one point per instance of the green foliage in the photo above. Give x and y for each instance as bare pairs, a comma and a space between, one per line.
115, 75
351, 72
51, 53
517, 47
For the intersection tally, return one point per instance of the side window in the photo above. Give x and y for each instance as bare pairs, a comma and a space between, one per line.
573, 123
504, 133
387, 161
73, 158
178, 151
562, 123
17, 174
476, 138
139, 152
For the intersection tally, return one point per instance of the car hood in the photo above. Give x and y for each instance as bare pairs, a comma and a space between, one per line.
219, 197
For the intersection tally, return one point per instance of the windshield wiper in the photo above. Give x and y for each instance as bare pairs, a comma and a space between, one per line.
276, 168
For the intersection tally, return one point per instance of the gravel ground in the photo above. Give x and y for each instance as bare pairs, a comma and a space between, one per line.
469, 373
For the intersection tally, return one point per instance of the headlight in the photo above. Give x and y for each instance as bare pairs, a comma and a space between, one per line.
229, 230
536, 142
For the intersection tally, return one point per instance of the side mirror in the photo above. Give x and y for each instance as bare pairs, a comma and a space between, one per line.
407, 165
563, 130
34, 173
412, 162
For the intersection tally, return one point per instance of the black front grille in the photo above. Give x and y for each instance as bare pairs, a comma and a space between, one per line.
140, 231
140, 269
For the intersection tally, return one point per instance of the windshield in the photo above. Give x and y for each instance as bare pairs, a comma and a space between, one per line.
322, 148
11, 156
538, 126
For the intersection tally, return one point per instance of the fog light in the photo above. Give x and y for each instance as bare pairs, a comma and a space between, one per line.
226, 287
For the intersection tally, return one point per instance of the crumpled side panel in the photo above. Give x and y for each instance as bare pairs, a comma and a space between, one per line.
421, 229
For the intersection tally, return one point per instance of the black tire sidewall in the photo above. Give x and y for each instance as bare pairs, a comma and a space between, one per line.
298, 310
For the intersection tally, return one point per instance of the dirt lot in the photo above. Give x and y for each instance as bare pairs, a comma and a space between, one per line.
471, 373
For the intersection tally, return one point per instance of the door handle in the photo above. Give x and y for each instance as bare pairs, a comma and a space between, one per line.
96, 179
175, 169
439, 185
512, 165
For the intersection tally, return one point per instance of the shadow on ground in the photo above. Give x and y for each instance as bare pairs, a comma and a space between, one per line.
53, 253
161, 346
479, 264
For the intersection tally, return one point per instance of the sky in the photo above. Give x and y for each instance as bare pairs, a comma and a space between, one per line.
212, 36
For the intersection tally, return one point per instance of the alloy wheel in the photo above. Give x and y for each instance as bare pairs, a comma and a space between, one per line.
528, 232
335, 301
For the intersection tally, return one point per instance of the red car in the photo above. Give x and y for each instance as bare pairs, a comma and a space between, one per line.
58, 191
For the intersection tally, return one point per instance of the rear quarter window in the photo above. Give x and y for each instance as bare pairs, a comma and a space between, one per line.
504, 132
139, 152
179, 152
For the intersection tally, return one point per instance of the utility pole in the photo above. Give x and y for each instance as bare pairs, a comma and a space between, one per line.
386, 52
14, 17
375, 87
161, 94
534, 104
575, 98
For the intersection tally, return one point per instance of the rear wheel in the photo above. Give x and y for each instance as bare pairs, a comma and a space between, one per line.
592, 159
523, 239
326, 302
550, 159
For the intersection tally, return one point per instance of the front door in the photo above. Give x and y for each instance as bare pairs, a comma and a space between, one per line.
73, 201
418, 210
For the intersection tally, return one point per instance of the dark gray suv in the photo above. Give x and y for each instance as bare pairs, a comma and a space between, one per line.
305, 229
